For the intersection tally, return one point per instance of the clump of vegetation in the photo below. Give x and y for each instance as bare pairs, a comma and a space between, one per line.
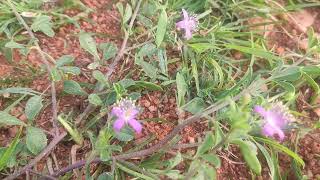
248, 102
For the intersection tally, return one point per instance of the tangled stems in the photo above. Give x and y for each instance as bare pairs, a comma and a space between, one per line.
164, 142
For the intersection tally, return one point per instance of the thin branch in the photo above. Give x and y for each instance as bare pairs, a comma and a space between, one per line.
45, 61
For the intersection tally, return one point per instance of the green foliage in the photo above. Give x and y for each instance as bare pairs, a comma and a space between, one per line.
109, 50
36, 140
89, 44
161, 27
73, 87
77, 137
33, 107
203, 73
7, 119
8, 153
249, 152
43, 23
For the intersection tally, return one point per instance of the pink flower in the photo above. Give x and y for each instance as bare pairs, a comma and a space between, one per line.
126, 113
275, 119
189, 24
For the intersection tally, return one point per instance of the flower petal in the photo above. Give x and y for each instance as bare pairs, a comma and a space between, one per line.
181, 25
185, 14
136, 125
260, 110
116, 111
270, 131
118, 124
188, 34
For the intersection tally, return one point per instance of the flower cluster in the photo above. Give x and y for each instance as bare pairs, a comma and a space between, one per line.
188, 23
275, 119
125, 111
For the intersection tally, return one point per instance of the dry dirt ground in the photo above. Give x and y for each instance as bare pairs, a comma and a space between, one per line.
155, 104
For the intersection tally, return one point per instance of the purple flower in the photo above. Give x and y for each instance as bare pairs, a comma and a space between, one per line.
275, 119
189, 24
126, 113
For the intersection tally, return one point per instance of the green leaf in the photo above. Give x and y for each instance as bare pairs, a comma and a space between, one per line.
194, 106
312, 83
120, 8
126, 134
182, 88
105, 176
126, 83
70, 70
36, 140
213, 159
12, 44
89, 44
163, 62
43, 23
195, 74
134, 96
33, 107
282, 148
17, 90
147, 50
161, 27
291, 90
289, 74
174, 174
218, 133
99, 76
7, 155
64, 60
76, 136
127, 13
109, 50
272, 168
148, 68
207, 144
201, 47
148, 85
134, 173
55, 75
215, 65
175, 161
209, 171
249, 152
95, 100
255, 51
102, 144
72, 87
7, 119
